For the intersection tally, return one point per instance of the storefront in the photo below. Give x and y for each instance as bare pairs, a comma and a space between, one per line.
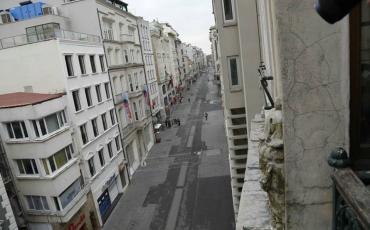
110, 191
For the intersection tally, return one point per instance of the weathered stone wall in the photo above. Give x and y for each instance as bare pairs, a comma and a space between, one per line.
7, 220
314, 73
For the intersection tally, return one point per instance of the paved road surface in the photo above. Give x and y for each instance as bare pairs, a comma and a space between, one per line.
186, 182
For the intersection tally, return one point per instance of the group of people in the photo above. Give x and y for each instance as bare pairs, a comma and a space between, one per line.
169, 122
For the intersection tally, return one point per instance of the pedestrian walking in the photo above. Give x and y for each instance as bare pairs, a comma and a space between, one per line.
206, 116
189, 100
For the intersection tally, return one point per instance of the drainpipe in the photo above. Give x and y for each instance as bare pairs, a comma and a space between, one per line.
115, 111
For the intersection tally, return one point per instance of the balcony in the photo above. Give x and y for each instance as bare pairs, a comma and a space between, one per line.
127, 38
108, 34
351, 195
25, 39
134, 94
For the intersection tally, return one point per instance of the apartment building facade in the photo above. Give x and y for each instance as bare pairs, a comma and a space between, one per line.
154, 99
74, 64
163, 62
240, 92
315, 73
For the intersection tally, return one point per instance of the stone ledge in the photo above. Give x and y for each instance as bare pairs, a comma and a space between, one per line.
253, 211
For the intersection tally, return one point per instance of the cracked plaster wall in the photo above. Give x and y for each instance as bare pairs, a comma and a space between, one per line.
314, 69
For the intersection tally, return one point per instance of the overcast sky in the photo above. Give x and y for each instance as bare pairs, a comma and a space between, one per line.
190, 18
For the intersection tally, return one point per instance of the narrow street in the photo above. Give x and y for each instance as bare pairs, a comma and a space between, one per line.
186, 181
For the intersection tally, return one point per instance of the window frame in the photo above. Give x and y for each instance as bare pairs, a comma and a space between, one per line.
101, 157
20, 162
102, 63
39, 129
11, 133
92, 63
98, 93
81, 61
107, 90
112, 117
104, 121
91, 164
77, 106
68, 151
94, 124
43, 201
69, 65
238, 71
89, 100
84, 133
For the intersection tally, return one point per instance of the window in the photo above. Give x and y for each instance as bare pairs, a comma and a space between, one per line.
107, 91
76, 100
92, 63
101, 157
17, 130
98, 93
56, 202
37, 203
110, 151
27, 167
49, 123
84, 136
58, 160
88, 96
81, 61
104, 121
135, 111
233, 71
69, 64
112, 117
94, 124
102, 66
118, 144
91, 166
42, 32
71, 192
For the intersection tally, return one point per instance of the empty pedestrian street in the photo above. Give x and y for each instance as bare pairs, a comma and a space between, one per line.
185, 181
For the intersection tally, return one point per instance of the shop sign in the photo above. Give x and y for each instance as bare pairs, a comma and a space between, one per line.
78, 224
109, 182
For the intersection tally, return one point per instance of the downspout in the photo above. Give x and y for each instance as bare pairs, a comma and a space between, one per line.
115, 111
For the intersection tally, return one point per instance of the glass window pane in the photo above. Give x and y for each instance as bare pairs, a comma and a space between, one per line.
52, 164
17, 130
35, 170
60, 158
45, 203
52, 123
20, 167
28, 166
10, 130
35, 128
228, 10
42, 127
29, 202
37, 202
24, 129
234, 72
45, 164
70, 193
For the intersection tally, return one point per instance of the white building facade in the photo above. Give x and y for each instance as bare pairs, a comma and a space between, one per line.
74, 64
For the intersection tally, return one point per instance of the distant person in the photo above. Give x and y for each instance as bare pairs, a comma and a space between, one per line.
206, 116
189, 100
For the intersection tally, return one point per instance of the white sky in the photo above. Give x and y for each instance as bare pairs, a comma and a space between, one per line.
190, 18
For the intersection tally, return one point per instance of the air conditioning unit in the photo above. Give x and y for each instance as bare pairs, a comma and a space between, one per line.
6, 17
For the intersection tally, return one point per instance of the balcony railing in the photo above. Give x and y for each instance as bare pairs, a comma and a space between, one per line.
127, 38
25, 39
108, 34
351, 196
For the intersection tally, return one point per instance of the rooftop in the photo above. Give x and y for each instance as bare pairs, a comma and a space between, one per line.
18, 99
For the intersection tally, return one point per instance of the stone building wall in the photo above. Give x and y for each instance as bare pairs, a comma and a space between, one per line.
314, 70
7, 220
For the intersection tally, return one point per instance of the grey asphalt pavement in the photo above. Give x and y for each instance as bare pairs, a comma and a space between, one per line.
186, 181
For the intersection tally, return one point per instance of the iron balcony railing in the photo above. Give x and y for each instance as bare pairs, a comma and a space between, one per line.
351, 197
25, 39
